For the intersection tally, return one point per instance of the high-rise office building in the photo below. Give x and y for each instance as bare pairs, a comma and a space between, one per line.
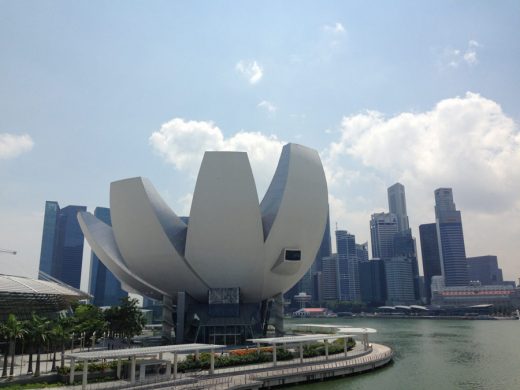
485, 270
61, 253
362, 251
399, 281
348, 266
404, 245
430, 256
103, 285
383, 227
451, 239
330, 290
306, 283
397, 206
372, 282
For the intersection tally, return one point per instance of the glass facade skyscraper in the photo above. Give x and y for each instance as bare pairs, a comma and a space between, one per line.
61, 253
103, 285
383, 227
451, 239
430, 256
348, 266
305, 284
397, 205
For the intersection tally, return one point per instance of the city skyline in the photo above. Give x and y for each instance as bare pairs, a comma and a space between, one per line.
93, 94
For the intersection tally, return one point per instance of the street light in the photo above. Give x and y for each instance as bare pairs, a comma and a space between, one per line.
9, 251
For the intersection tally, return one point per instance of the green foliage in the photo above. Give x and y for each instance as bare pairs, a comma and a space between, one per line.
125, 319
41, 385
203, 363
13, 329
88, 319
318, 349
92, 367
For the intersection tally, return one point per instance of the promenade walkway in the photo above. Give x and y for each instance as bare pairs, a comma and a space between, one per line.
264, 375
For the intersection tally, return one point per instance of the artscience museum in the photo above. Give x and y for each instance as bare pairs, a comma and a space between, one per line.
221, 272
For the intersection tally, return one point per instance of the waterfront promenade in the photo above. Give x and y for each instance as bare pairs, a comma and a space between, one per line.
265, 375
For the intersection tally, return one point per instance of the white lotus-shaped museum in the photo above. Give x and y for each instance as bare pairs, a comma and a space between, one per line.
229, 241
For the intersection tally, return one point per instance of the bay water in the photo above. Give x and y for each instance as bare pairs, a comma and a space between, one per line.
435, 354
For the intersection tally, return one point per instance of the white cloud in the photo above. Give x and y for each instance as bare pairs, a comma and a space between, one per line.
183, 143
467, 143
12, 145
453, 58
470, 56
251, 70
336, 28
267, 105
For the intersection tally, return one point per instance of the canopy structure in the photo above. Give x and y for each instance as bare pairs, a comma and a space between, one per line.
300, 341
134, 353
22, 296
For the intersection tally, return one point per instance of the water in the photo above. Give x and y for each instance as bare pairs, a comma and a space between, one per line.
436, 354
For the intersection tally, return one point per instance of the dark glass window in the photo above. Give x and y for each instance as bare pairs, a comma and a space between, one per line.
293, 255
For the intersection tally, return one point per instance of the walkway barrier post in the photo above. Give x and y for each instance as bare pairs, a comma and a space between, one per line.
118, 372
132, 370
274, 355
212, 362
72, 367
301, 352
175, 365
326, 349
85, 374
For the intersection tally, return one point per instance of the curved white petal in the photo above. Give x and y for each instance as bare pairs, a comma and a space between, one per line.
294, 215
101, 239
225, 239
151, 237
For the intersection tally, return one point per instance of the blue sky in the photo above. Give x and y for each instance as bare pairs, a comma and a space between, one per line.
92, 92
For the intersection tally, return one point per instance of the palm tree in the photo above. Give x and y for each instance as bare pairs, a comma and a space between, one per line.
3, 334
58, 335
41, 334
66, 325
29, 337
14, 330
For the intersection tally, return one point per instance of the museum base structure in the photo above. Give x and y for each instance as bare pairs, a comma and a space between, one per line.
223, 319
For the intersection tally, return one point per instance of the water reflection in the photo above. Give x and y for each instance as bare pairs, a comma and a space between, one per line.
438, 354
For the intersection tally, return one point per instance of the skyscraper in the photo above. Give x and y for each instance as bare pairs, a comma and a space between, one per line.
62, 243
372, 282
103, 285
430, 256
362, 251
485, 270
397, 206
451, 239
399, 281
404, 246
348, 266
383, 227
330, 278
305, 284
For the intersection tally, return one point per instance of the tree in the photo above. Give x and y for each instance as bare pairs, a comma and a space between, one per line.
3, 335
13, 330
88, 319
41, 331
126, 319
29, 337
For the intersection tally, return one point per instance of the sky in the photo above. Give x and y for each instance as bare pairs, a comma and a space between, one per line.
425, 94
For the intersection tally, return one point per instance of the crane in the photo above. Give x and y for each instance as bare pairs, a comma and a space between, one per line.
7, 251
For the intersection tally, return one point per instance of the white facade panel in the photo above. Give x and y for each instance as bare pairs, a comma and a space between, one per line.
225, 239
